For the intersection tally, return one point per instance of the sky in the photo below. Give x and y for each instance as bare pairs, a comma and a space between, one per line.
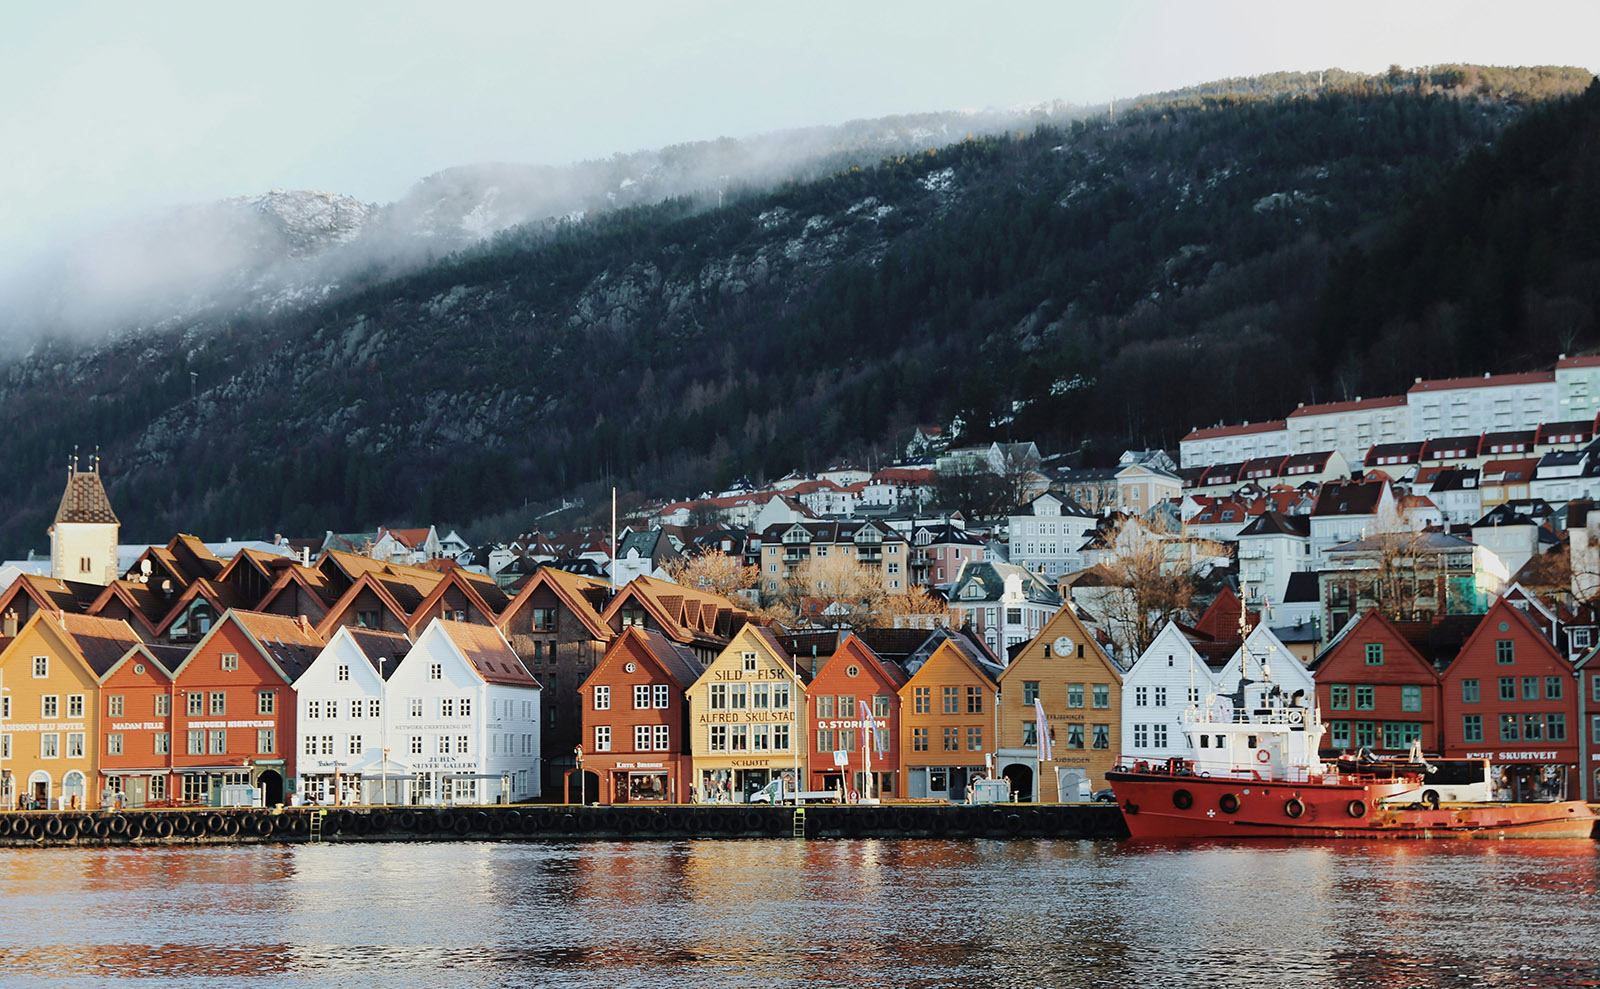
114, 108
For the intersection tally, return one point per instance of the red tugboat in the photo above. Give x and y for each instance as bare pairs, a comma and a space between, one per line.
1254, 771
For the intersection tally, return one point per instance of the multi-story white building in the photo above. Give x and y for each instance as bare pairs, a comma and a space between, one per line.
465, 717
1005, 604
1272, 548
343, 722
1351, 428
1167, 679
1473, 406
1578, 387
1047, 535
1233, 444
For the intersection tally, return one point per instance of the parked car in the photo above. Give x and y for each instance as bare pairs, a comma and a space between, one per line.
1104, 797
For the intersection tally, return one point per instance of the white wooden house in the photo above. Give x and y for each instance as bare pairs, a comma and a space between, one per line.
1167, 679
343, 722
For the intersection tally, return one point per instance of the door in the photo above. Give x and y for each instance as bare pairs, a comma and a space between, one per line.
136, 790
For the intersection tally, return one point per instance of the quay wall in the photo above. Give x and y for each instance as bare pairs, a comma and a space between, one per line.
538, 822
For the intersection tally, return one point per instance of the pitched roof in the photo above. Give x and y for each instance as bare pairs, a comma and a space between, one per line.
1271, 523
677, 661
488, 652
1216, 432
1487, 381
575, 592
101, 641
85, 500
287, 644
377, 644
1359, 405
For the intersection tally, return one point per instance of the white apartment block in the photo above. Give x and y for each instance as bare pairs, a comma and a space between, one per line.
1490, 404
1351, 428
1233, 444
1578, 387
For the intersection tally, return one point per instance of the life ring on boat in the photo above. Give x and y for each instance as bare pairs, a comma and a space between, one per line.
1430, 799
1294, 807
1262, 755
1182, 799
1228, 803
1356, 808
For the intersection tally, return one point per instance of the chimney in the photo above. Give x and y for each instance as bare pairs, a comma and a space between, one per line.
11, 623
303, 622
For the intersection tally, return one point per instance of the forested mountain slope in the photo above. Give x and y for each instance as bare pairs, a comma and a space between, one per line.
1216, 254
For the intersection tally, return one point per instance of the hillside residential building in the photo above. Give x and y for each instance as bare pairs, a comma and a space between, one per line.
1003, 603
348, 754
1577, 387
1413, 575
466, 717
1492, 403
1142, 486
1350, 428
1350, 511
939, 550
787, 548
638, 742
1233, 444
1271, 549
1047, 535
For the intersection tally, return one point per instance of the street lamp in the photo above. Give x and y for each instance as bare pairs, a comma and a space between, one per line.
383, 736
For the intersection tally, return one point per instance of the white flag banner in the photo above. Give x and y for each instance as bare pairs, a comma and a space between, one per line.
1042, 732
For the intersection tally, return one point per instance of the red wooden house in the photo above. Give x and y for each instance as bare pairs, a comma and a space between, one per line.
835, 723
136, 699
1375, 691
1510, 697
636, 738
233, 710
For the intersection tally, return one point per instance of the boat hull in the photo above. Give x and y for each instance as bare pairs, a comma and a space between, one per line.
1165, 807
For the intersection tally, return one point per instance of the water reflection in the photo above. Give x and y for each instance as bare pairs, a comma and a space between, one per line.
786, 913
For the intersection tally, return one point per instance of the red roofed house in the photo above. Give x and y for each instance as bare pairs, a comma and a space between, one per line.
854, 675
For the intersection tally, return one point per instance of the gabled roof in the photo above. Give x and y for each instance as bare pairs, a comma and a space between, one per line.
1451, 446
677, 661
573, 590
221, 597
164, 657
1487, 381
684, 613
488, 651
1271, 523
1247, 429
143, 602
376, 644
100, 641
853, 649
85, 500
1359, 405
1349, 498
51, 594
289, 646
1401, 453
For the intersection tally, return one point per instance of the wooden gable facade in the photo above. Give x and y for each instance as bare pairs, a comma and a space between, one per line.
1375, 691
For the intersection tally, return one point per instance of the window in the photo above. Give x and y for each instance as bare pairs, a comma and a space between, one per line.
974, 700
49, 745
196, 703
1555, 727
416, 707
1410, 698
75, 745
416, 744
355, 745
197, 741
1469, 691
663, 735
719, 738
602, 738
1141, 736
952, 739
542, 619
218, 741
1074, 695
880, 705
219, 702
163, 705
1030, 733
266, 740
266, 702
1366, 734
660, 695
447, 707
75, 706
1339, 697
1530, 688
641, 738
1141, 697
1102, 736
1398, 734
344, 671
951, 700
466, 707
1508, 728
230, 661
1158, 736
1364, 700
1505, 652
1374, 654
738, 696
436, 671
163, 743
1102, 694
825, 741
374, 709
1030, 692
1508, 688
1074, 736
641, 696
1552, 688
602, 698
718, 696
749, 661
1160, 696
1339, 732
974, 739
739, 738
41, 666
922, 699
462, 745
847, 739
919, 737
355, 708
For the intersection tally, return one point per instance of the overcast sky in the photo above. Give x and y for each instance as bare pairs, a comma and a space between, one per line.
116, 107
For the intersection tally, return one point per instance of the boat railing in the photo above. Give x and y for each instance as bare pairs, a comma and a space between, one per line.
1290, 716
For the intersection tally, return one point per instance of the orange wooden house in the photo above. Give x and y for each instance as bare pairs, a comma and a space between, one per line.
947, 722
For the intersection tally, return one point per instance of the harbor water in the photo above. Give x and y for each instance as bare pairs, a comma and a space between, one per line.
788, 913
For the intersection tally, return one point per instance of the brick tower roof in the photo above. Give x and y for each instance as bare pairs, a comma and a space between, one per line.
85, 500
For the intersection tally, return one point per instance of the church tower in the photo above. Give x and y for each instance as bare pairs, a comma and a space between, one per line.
83, 538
